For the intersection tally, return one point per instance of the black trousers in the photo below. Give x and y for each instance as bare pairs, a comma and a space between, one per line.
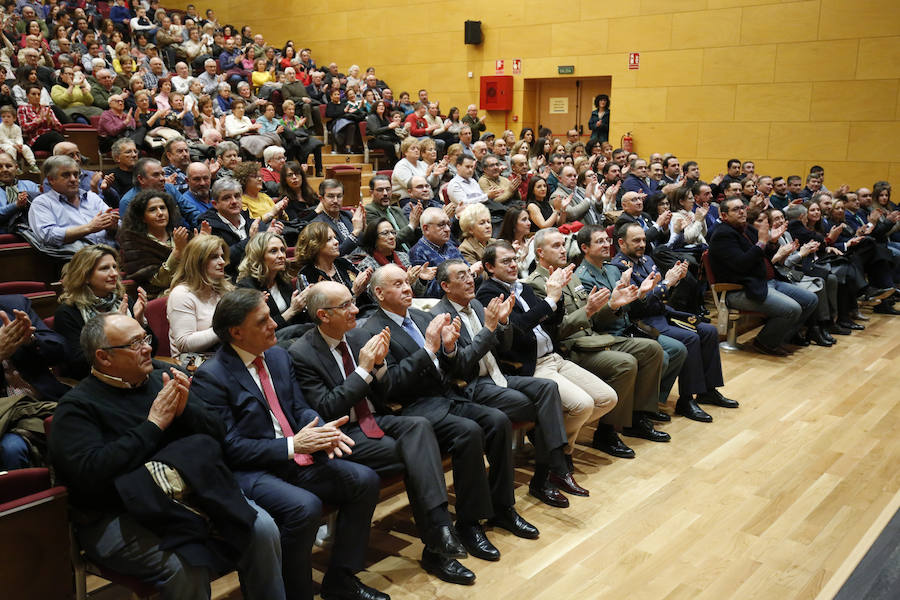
526, 399
468, 432
408, 445
294, 498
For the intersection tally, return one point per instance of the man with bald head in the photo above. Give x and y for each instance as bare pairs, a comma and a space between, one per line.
475, 123
341, 369
434, 247
198, 183
119, 417
86, 181
179, 157
103, 87
422, 362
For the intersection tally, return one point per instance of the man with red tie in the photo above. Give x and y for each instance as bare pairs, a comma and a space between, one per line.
340, 368
284, 455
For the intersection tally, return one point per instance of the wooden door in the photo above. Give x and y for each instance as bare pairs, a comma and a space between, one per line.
564, 103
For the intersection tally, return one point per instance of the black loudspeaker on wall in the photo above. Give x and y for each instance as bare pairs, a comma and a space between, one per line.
473, 32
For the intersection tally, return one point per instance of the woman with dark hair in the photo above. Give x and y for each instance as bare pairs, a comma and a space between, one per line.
539, 154
319, 257
264, 268
540, 209
287, 55
383, 130
881, 195
599, 121
150, 244
302, 200
516, 229
379, 241
687, 220
527, 134
452, 124
345, 116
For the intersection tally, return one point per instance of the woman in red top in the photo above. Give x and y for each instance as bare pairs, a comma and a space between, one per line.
40, 128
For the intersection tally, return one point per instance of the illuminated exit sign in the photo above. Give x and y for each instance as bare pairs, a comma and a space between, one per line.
565, 69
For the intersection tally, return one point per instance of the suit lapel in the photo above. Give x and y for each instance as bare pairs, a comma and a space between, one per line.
445, 306
323, 352
398, 334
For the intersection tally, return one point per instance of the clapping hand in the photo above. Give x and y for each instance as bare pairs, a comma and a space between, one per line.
597, 299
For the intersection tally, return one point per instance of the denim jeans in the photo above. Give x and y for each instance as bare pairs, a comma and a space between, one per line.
786, 306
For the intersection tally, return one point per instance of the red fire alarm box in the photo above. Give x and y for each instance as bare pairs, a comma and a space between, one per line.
496, 92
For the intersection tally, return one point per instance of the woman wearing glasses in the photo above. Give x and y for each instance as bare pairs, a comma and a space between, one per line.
91, 285
379, 241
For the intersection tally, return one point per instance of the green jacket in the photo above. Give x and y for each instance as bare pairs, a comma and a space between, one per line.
606, 277
577, 331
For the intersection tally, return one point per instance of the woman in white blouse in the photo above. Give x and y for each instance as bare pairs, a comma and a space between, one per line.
691, 223
197, 286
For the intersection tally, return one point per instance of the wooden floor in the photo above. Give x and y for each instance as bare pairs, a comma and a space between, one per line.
778, 499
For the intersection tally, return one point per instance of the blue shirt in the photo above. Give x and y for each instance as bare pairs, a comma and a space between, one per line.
180, 177
8, 208
51, 214
424, 251
201, 207
189, 214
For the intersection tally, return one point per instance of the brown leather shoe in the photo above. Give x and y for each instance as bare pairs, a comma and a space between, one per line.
568, 484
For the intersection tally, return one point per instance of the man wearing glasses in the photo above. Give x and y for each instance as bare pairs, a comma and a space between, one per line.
407, 229
341, 370
435, 246
285, 455
347, 229
110, 425
737, 255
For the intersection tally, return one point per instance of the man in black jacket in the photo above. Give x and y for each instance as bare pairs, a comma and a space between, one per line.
229, 222
423, 359
737, 255
111, 424
340, 368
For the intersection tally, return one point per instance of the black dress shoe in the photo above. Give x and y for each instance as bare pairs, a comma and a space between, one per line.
567, 484
798, 340
606, 440
476, 542
848, 324
687, 407
715, 397
444, 541
546, 493
886, 309
447, 569
657, 415
840, 329
350, 588
870, 294
814, 335
510, 520
642, 427
826, 335
764, 349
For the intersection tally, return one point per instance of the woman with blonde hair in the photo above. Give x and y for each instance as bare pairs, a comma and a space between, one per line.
264, 268
197, 286
91, 285
476, 227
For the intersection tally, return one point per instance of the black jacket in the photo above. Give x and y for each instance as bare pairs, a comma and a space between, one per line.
735, 258
524, 344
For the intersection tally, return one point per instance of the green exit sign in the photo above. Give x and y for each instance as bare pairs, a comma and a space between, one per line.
566, 69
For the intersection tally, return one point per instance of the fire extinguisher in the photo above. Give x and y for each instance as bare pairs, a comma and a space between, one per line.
628, 142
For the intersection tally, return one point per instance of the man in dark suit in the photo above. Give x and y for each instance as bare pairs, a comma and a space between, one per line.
229, 222
282, 458
701, 372
633, 212
534, 350
422, 360
347, 229
27, 349
521, 398
339, 368
737, 256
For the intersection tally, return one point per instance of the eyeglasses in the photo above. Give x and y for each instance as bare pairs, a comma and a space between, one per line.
441, 224
341, 306
135, 345
387, 233
334, 196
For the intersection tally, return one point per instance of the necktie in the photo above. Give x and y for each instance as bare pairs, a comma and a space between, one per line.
275, 407
488, 362
12, 194
642, 222
345, 233
410, 328
363, 414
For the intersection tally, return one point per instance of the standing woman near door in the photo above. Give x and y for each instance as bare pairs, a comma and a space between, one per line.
599, 121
